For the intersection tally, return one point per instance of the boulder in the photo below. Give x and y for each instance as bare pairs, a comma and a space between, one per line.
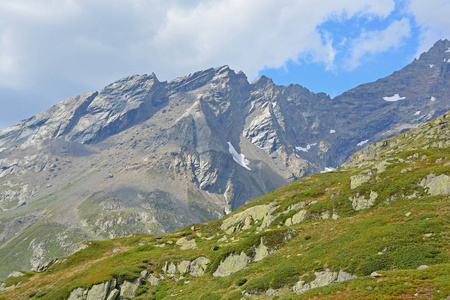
343, 276
436, 185
183, 266
113, 295
99, 291
232, 264
359, 179
15, 274
256, 213
76, 294
128, 289
422, 267
261, 252
322, 279
154, 281
297, 218
198, 266
186, 244
360, 202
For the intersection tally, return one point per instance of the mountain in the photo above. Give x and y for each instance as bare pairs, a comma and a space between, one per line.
376, 228
144, 156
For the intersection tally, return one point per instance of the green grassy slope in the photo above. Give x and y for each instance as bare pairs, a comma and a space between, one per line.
386, 211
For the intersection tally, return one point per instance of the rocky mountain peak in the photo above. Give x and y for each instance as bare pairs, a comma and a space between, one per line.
149, 156
438, 54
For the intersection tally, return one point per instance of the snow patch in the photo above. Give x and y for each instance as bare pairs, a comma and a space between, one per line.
274, 104
239, 158
448, 50
394, 98
362, 143
307, 147
431, 66
432, 99
328, 169
332, 131
417, 113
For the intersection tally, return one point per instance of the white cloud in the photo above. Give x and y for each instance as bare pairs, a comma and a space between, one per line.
433, 17
93, 42
378, 41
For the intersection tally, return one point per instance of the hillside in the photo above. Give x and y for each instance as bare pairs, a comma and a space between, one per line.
145, 156
376, 228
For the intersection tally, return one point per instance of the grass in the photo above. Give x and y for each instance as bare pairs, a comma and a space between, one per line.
394, 237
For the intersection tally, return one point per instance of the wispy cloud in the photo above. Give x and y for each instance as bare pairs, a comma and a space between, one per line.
377, 41
55, 49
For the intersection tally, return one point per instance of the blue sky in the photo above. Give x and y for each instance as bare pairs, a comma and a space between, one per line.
51, 50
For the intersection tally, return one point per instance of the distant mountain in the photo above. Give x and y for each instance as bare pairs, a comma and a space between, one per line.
376, 228
144, 156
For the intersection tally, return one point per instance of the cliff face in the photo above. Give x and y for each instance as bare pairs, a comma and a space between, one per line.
150, 156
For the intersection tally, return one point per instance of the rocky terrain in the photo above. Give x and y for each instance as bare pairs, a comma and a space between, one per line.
144, 156
375, 228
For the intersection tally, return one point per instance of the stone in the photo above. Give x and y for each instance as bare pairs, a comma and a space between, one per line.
267, 221
375, 275
360, 202
128, 289
381, 166
15, 274
422, 267
198, 266
222, 239
183, 266
300, 287
76, 294
144, 274
186, 244
436, 185
172, 268
325, 215
335, 216
261, 252
113, 295
359, 179
343, 276
232, 264
247, 223
299, 217
271, 292
408, 214
154, 281
256, 213
323, 278
99, 291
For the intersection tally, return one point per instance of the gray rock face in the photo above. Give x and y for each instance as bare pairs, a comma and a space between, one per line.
144, 156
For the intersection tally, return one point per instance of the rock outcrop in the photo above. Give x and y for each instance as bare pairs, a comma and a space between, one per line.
322, 278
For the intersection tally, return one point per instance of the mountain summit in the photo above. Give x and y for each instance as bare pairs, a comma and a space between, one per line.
151, 157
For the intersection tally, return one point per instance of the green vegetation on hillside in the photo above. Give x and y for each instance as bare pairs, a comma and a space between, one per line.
385, 211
